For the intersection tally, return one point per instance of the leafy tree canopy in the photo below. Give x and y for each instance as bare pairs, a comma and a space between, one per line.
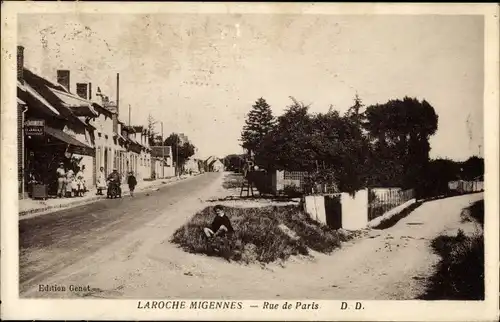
182, 150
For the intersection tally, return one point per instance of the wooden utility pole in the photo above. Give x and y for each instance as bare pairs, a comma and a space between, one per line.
162, 152
129, 113
118, 94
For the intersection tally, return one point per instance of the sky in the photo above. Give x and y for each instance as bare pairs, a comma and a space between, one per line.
200, 74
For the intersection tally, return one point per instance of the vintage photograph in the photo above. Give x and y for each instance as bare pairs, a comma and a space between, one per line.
246, 156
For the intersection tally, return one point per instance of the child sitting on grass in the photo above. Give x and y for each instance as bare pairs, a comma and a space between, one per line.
220, 225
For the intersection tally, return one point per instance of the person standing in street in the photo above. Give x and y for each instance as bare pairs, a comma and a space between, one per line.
70, 183
132, 182
80, 179
61, 180
101, 182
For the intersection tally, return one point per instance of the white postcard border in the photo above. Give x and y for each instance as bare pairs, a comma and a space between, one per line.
15, 308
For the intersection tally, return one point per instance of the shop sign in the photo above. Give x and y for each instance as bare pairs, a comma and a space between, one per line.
34, 127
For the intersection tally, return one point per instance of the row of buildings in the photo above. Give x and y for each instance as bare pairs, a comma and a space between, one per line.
79, 129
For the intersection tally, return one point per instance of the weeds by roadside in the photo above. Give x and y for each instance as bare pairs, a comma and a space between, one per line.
263, 234
460, 273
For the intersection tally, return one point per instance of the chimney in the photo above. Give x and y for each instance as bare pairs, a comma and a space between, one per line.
115, 122
63, 78
118, 94
20, 63
90, 91
82, 90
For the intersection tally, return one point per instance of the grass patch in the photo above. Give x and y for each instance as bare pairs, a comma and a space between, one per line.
474, 213
233, 181
460, 273
261, 234
389, 222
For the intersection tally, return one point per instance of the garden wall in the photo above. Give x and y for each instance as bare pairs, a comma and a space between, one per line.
353, 210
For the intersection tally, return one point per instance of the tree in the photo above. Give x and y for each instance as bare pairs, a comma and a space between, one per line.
182, 150
472, 168
153, 135
328, 146
354, 112
259, 123
234, 162
436, 176
399, 131
287, 145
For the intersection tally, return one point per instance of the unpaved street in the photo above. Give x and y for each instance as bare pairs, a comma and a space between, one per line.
52, 242
130, 256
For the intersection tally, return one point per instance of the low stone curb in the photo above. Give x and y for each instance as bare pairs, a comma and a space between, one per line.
67, 205
49, 209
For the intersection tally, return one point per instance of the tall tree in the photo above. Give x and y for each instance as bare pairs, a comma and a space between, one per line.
152, 130
182, 150
354, 112
400, 131
472, 168
259, 123
287, 145
436, 176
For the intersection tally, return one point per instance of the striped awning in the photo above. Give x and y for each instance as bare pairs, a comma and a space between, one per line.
78, 146
31, 91
79, 106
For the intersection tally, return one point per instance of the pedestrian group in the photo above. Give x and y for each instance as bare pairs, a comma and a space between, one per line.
70, 184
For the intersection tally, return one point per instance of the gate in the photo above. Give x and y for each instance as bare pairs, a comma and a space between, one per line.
333, 211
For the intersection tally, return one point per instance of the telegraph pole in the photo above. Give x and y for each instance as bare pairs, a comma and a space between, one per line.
177, 156
162, 153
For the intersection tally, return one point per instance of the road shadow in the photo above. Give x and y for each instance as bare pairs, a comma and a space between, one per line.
269, 198
390, 222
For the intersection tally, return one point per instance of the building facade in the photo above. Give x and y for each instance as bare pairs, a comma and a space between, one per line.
56, 125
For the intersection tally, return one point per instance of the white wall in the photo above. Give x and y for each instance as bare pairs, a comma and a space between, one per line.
104, 141
278, 181
169, 172
88, 162
354, 210
143, 166
315, 208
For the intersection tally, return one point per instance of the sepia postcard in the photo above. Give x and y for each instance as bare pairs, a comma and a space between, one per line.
249, 161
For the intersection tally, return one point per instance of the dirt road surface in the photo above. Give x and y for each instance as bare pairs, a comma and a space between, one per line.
130, 256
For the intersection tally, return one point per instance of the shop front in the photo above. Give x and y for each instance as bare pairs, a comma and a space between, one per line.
46, 147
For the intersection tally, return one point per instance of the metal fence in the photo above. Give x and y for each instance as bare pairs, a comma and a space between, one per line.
381, 201
294, 180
